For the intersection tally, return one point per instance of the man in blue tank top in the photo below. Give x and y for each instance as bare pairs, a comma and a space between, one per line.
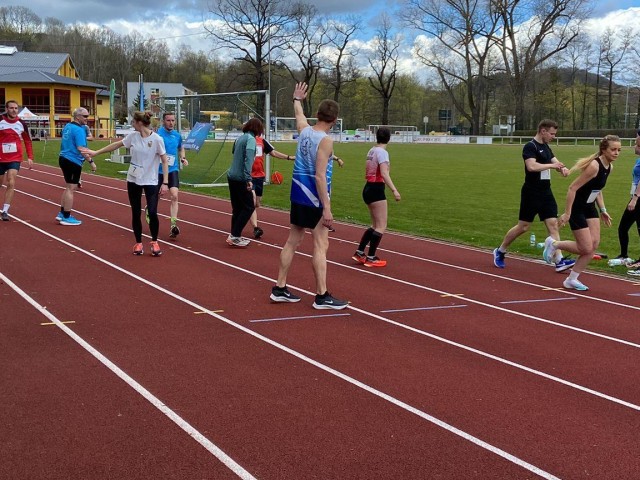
310, 199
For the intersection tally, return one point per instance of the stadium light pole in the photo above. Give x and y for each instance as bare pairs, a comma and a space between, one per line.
276, 112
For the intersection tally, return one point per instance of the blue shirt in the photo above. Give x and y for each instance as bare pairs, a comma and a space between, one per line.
303, 187
73, 136
172, 144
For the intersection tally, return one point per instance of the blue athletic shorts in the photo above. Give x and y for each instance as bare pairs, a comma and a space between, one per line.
4, 166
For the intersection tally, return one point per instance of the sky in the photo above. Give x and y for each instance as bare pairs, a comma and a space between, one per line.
180, 21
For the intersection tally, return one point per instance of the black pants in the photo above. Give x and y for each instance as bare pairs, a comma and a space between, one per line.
135, 199
627, 219
241, 206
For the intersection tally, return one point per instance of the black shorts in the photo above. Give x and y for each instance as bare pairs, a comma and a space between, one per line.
6, 166
305, 216
537, 202
373, 192
70, 170
258, 185
174, 179
579, 216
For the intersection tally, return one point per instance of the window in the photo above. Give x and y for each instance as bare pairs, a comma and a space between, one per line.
36, 100
2, 98
62, 101
88, 101
99, 101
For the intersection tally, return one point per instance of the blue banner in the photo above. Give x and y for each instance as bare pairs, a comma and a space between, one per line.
197, 136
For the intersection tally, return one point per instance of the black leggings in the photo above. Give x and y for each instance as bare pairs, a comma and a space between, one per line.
241, 206
135, 199
627, 219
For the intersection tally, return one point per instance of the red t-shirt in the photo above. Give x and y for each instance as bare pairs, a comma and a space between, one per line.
12, 132
263, 147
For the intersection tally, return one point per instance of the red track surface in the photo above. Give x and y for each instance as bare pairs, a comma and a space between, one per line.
428, 374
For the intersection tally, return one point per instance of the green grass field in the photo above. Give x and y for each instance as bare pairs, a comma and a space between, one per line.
462, 193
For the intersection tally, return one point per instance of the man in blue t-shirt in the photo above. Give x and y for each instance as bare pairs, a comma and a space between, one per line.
176, 155
74, 137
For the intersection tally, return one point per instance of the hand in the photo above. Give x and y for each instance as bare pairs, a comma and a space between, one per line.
249, 186
300, 91
94, 167
606, 218
631, 206
396, 195
164, 189
340, 162
30, 163
87, 152
563, 219
184, 161
564, 171
327, 218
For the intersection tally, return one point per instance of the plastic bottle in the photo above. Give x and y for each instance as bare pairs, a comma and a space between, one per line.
532, 240
614, 262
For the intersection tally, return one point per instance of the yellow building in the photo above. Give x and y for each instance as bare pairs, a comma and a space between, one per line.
49, 86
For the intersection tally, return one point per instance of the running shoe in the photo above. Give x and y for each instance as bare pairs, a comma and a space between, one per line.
137, 249
257, 232
498, 258
564, 264
575, 285
70, 220
59, 217
634, 273
634, 264
146, 215
549, 249
326, 301
5, 216
237, 241
155, 249
359, 257
283, 294
374, 262
174, 231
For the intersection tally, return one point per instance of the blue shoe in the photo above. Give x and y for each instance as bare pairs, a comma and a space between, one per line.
564, 264
59, 217
549, 250
575, 284
71, 220
498, 258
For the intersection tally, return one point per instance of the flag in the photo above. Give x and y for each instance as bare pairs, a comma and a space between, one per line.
197, 136
141, 94
112, 98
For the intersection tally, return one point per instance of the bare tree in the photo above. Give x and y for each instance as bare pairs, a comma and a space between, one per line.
310, 37
532, 32
384, 63
614, 48
577, 56
21, 20
461, 37
344, 69
258, 29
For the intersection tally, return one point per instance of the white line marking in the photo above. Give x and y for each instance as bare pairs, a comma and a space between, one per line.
299, 318
155, 401
540, 300
421, 308
321, 366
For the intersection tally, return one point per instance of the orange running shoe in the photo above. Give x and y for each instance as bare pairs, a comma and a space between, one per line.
374, 262
155, 249
137, 249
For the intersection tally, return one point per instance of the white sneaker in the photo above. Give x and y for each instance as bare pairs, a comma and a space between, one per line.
549, 251
575, 285
237, 241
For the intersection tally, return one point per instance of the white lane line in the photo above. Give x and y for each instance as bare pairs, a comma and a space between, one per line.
405, 406
421, 308
152, 399
561, 299
304, 317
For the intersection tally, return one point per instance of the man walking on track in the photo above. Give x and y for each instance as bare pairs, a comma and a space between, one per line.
74, 137
13, 132
536, 197
176, 156
310, 199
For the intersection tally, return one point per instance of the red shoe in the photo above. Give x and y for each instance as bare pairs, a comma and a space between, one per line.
374, 262
155, 249
137, 249
359, 257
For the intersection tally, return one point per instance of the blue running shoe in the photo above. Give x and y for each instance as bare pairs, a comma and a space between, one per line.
564, 264
71, 220
575, 284
498, 258
59, 217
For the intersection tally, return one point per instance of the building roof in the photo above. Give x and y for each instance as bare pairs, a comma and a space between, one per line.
13, 61
39, 76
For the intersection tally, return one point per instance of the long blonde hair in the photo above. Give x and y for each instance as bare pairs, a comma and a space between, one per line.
604, 144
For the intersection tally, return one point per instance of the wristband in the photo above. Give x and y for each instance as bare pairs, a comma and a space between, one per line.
603, 210
165, 183
635, 195
91, 160
296, 98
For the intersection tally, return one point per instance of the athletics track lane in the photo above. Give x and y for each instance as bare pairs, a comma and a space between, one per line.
362, 347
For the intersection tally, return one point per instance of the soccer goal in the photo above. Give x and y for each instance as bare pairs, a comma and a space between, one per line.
399, 133
209, 124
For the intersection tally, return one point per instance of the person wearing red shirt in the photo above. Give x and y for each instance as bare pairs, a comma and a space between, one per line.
13, 132
263, 147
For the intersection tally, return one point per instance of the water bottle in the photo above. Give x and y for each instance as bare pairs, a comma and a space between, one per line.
532, 240
614, 262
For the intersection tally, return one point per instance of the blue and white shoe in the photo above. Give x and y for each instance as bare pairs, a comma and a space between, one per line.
498, 258
59, 217
564, 264
575, 285
549, 250
71, 220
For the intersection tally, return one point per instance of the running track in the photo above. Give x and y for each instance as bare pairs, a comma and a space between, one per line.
114, 366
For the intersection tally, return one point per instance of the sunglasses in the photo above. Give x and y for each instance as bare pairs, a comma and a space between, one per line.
85, 116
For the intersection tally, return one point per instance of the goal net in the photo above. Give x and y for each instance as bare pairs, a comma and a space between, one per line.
223, 115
